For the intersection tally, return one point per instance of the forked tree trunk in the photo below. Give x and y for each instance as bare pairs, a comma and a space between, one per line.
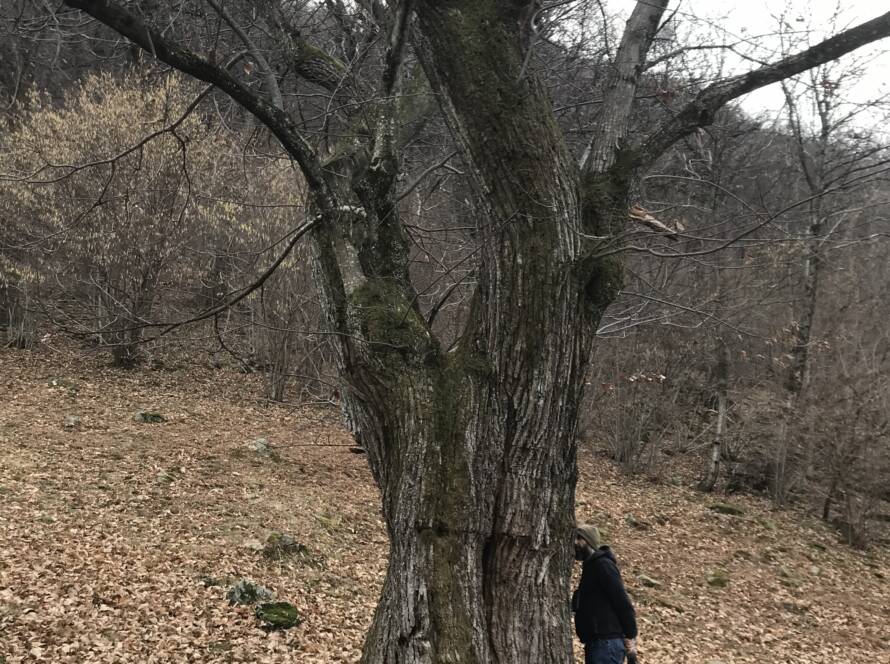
474, 449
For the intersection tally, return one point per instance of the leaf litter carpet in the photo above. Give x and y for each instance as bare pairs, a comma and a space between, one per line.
118, 537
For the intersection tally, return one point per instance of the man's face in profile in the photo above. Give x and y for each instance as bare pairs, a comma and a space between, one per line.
582, 548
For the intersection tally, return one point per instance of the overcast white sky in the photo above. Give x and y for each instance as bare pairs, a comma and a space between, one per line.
754, 24
753, 18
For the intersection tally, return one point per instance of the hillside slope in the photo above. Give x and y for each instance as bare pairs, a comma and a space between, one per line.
119, 537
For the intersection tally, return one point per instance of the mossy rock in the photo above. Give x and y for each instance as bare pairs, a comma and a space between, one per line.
263, 448
280, 546
278, 615
247, 592
669, 603
718, 578
63, 384
726, 508
634, 522
148, 417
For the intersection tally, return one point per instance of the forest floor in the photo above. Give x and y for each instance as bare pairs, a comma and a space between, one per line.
118, 537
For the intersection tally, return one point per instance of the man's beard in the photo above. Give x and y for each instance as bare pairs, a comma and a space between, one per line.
580, 553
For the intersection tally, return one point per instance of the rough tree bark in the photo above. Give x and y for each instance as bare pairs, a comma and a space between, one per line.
472, 447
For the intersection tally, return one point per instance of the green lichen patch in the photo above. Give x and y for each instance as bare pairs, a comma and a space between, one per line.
278, 615
387, 318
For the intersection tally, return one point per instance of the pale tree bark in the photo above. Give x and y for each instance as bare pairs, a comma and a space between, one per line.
630, 59
715, 461
473, 447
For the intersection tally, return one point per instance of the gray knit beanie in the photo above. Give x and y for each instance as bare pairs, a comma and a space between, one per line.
589, 534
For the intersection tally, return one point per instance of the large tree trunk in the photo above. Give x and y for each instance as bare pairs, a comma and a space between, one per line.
474, 449
478, 554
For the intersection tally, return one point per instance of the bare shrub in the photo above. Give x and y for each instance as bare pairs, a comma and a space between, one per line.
17, 318
639, 401
105, 189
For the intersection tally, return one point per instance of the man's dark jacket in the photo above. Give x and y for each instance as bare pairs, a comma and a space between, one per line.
602, 607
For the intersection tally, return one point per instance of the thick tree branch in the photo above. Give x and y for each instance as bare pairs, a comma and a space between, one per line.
309, 62
629, 61
133, 28
384, 157
396, 51
701, 111
376, 189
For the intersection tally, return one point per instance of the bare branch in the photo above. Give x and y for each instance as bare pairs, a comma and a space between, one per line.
686, 49
420, 178
215, 311
268, 74
701, 111
133, 28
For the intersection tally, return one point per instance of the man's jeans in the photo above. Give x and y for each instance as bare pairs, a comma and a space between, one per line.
604, 651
